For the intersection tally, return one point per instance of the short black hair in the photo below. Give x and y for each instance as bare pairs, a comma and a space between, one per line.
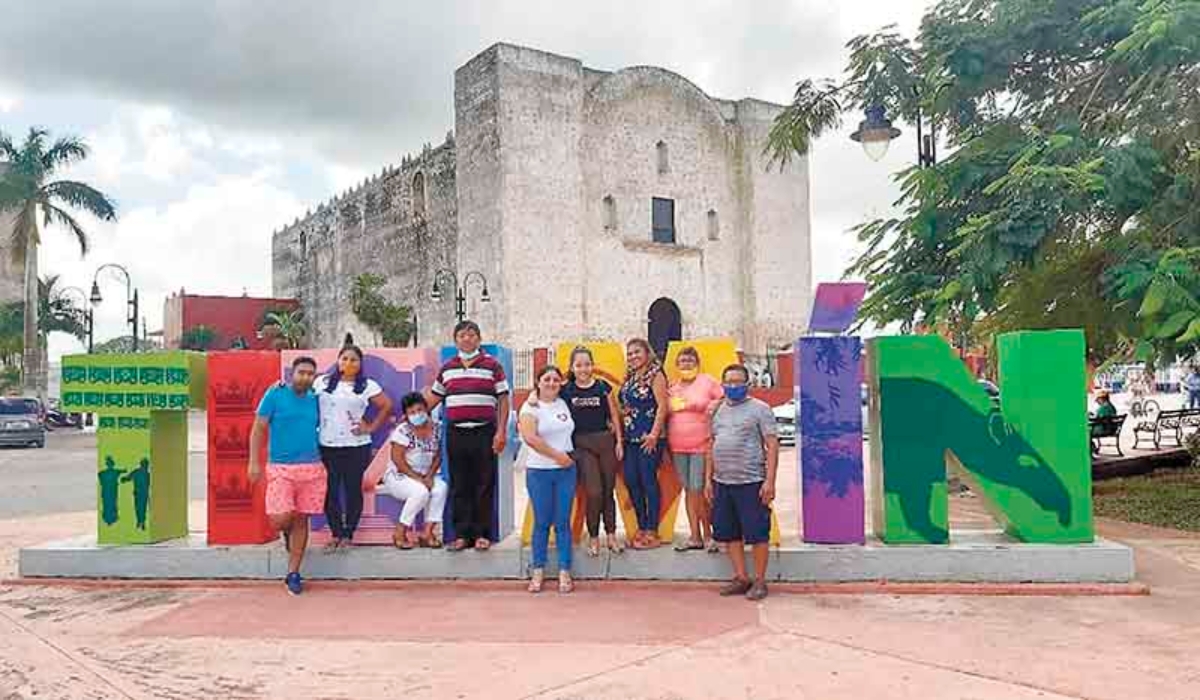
736, 367
416, 398
304, 360
467, 326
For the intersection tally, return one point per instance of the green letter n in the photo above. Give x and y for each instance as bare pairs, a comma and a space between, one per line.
1026, 456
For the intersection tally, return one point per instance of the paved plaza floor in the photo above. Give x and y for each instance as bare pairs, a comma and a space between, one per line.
607, 640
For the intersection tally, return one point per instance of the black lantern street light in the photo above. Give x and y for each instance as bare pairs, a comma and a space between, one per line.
89, 317
876, 132
131, 297
460, 291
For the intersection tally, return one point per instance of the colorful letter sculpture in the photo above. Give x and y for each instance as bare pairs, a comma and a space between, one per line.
830, 450
502, 510
398, 371
142, 446
237, 381
1027, 458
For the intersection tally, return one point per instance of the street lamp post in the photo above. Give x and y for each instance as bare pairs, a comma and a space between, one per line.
89, 317
131, 297
460, 291
876, 132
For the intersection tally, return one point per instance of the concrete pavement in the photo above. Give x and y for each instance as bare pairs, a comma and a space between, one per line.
608, 640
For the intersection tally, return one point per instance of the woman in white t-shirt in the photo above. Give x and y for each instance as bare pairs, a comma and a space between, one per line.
345, 436
546, 426
411, 476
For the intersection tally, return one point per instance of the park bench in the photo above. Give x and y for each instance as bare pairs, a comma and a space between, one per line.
1167, 425
1109, 427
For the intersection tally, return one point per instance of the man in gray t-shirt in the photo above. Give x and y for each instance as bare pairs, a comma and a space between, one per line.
740, 471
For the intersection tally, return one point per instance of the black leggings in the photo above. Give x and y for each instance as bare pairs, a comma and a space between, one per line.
344, 468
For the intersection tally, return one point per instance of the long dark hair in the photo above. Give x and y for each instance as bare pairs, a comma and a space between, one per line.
335, 377
579, 350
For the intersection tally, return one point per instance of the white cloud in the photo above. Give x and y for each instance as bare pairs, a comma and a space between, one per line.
213, 240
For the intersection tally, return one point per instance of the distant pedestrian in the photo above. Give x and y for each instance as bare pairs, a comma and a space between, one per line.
599, 445
550, 476
740, 480
476, 393
644, 412
345, 435
688, 434
296, 480
1104, 405
412, 474
1192, 384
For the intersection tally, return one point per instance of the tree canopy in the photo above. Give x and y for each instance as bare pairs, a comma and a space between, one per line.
393, 322
1068, 194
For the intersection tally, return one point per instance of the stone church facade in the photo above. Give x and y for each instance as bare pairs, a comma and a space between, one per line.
597, 205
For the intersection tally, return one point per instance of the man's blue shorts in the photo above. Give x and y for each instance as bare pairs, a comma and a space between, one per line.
739, 514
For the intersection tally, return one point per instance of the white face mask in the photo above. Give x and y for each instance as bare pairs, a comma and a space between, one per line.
468, 356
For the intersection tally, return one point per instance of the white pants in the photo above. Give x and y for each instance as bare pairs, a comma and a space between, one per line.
416, 497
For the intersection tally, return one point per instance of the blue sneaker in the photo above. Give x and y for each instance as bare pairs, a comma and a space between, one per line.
295, 584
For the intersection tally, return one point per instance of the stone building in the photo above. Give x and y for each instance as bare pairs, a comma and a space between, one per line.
597, 205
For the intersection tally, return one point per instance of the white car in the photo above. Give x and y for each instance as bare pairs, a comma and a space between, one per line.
785, 422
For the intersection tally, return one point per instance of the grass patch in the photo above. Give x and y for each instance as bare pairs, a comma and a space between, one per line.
1165, 498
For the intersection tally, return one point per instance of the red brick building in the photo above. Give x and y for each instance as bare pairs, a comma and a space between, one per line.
233, 319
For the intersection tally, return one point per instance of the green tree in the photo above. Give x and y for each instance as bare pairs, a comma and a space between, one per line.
287, 328
1070, 193
30, 192
199, 337
391, 322
124, 344
58, 312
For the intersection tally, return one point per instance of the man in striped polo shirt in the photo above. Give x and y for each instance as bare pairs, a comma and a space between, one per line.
476, 395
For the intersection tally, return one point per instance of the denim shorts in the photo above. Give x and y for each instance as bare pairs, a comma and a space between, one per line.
739, 514
690, 469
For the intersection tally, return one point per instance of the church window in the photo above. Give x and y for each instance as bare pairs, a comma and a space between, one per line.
664, 159
610, 213
662, 220
418, 195
714, 226
303, 245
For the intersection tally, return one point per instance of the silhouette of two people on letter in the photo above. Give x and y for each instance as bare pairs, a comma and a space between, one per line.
110, 479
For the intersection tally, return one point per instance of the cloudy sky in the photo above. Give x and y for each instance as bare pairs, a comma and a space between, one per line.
213, 123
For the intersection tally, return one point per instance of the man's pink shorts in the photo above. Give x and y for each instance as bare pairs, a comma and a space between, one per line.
296, 488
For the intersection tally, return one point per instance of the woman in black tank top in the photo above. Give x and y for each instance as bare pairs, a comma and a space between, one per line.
598, 446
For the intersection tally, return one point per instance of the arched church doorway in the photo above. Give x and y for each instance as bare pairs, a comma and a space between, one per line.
664, 325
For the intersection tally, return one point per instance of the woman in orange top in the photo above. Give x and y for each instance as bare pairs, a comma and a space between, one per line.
688, 435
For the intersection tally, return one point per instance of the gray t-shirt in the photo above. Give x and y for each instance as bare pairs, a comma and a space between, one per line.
738, 431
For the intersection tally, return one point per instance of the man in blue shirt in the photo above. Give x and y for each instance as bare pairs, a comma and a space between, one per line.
296, 478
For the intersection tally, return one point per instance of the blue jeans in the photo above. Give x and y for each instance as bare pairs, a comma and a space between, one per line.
551, 491
641, 478
1193, 398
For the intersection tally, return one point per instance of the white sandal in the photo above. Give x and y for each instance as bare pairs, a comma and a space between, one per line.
536, 578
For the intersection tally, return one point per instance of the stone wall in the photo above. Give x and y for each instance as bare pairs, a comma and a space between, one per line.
581, 155
547, 192
382, 226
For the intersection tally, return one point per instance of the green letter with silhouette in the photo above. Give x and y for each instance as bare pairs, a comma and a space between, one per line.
1025, 456
141, 401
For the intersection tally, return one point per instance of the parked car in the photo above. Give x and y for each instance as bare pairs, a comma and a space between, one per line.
21, 422
785, 422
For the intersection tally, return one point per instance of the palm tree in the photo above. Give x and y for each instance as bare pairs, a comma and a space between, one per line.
27, 188
57, 312
287, 327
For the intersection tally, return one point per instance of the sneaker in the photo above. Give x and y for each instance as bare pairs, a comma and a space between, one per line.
736, 587
758, 591
295, 584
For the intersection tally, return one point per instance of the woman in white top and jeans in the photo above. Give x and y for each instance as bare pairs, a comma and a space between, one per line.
546, 426
411, 477
345, 437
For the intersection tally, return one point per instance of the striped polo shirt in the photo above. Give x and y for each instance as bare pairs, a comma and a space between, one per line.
471, 395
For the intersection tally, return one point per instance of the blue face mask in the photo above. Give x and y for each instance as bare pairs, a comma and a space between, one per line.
468, 356
736, 393
418, 419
